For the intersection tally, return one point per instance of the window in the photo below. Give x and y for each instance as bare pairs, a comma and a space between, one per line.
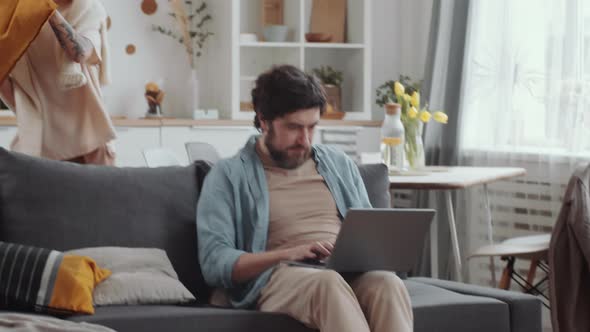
527, 76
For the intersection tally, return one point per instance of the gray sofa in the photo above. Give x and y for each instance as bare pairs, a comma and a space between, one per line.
64, 206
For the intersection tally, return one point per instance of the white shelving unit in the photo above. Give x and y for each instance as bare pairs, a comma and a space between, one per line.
352, 58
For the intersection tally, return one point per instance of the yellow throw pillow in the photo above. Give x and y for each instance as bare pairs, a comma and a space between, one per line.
20, 23
47, 281
75, 281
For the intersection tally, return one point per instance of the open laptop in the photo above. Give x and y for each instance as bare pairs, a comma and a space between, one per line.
377, 239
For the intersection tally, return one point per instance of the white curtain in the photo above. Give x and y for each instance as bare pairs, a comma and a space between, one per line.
443, 81
527, 77
525, 103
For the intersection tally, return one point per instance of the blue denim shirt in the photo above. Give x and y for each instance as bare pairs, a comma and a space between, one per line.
233, 213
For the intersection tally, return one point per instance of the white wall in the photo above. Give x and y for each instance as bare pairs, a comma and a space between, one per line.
400, 30
158, 58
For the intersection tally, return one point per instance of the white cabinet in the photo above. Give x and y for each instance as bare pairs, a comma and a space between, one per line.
130, 143
353, 58
7, 133
227, 140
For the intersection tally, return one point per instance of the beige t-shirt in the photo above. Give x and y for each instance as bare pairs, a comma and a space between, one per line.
302, 209
53, 123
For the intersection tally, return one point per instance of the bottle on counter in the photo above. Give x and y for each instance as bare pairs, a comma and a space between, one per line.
392, 138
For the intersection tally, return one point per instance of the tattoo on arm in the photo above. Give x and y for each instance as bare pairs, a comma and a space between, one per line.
76, 47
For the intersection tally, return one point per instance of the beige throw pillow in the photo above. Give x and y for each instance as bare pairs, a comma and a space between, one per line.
139, 276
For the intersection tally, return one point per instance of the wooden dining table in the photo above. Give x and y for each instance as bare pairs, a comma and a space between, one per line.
446, 179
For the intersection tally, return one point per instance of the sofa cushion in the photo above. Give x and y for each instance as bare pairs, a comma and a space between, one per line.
525, 309
435, 309
189, 319
44, 280
376, 180
64, 206
438, 309
139, 276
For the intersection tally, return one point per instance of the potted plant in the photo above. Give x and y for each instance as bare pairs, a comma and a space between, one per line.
332, 81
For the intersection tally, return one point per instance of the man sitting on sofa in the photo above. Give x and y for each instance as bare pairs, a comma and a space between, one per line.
281, 199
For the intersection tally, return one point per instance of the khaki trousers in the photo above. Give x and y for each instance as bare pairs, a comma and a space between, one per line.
322, 299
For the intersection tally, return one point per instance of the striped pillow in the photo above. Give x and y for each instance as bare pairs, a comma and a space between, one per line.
47, 281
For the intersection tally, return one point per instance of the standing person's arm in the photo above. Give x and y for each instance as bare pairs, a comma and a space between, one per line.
7, 93
78, 48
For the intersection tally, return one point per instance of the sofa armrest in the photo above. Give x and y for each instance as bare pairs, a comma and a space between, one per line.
525, 310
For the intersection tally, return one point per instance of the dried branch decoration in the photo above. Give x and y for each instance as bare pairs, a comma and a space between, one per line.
192, 27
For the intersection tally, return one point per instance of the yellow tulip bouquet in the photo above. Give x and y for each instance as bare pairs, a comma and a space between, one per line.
406, 93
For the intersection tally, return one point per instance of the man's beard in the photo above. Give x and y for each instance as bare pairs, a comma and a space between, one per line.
281, 157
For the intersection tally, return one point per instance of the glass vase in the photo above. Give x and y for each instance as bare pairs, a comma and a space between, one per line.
191, 94
414, 145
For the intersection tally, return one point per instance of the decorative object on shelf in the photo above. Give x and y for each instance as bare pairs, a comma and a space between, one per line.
130, 49
154, 96
332, 115
318, 37
211, 114
331, 80
191, 18
275, 33
306, 52
149, 7
246, 106
248, 38
329, 16
192, 83
192, 26
413, 116
272, 12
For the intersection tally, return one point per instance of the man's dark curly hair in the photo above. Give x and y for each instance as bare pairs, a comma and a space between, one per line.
283, 90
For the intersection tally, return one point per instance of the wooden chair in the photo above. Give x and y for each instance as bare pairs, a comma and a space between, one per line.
533, 248
201, 151
158, 157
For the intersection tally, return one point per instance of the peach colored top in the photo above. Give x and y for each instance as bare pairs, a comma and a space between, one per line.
53, 123
302, 209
